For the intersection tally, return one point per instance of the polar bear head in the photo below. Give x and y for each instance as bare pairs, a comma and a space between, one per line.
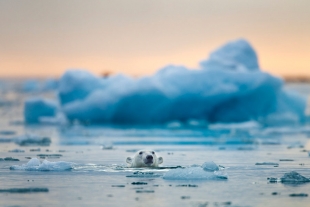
144, 158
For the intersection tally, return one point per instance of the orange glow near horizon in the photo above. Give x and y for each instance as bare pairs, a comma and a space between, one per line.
281, 64
45, 38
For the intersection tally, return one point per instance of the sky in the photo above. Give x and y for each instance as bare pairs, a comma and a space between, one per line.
138, 37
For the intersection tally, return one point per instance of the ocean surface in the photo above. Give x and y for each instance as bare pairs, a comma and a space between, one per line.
98, 176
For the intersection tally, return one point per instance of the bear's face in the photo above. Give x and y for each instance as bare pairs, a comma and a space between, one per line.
144, 158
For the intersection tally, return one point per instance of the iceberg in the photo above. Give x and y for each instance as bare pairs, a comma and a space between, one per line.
229, 87
35, 165
36, 108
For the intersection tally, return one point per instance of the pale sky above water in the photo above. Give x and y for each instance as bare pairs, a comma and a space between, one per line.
137, 37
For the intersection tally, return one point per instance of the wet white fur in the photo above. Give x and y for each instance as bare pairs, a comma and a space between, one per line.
139, 160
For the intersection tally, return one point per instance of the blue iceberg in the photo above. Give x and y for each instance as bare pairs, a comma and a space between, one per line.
228, 87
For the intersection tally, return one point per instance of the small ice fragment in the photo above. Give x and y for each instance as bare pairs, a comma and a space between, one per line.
266, 163
33, 162
24, 190
138, 183
273, 180
293, 177
107, 147
50, 155
299, 195
210, 166
35, 165
6, 140
145, 191
9, 159
7, 132
32, 140
16, 150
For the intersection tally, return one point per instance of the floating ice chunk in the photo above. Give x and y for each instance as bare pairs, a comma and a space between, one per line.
24, 190
210, 167
32, 140
193, 173
267, 163
16, 150
291, 177
299, 195
7, 132
107, 146
35, 108
294, 177
235, 55
35, 165
9, 159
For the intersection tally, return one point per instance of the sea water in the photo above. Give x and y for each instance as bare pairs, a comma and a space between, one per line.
84, 165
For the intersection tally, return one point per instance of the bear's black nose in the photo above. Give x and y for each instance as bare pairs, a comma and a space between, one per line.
149, 157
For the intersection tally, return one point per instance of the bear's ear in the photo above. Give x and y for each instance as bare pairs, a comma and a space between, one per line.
129, 160
160, 160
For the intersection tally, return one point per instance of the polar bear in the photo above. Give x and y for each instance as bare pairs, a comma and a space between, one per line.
144, 158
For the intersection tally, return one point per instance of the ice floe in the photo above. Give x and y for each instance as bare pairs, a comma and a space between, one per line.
36, 165
291, 178
32, 140
24, 190
17, 150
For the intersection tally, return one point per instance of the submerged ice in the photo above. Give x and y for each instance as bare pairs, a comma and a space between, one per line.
228, 87
36, 165
196, 173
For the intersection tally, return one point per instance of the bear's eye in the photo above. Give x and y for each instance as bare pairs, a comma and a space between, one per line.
153, 152
140, 153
